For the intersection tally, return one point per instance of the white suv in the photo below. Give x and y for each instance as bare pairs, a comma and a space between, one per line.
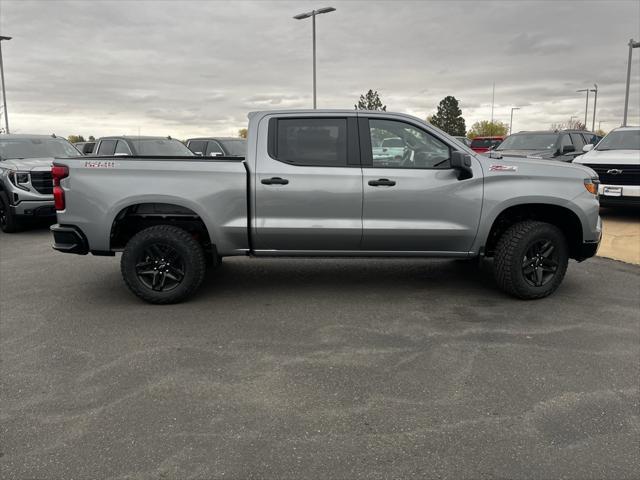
616, 159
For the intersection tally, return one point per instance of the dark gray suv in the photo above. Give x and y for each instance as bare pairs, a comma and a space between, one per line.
562, 145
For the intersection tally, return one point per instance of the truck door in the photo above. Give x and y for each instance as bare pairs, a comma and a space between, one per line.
417, 204
308, 184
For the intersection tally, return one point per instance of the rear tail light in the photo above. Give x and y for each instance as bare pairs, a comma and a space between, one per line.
58, 172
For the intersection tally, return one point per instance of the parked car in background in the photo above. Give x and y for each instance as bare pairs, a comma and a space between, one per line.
616, 160
136, 146
484, 144
562, 145
464, 140
390, 150
218, 146
86, 148
310, 186
26, 188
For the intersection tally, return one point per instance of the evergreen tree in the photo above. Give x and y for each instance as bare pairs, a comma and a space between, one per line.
449, 117
371, 101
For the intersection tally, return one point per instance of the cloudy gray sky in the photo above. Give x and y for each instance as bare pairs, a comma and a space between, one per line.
188, 68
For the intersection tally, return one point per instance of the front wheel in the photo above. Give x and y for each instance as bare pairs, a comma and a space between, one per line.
163, 264
531, 259
8, 221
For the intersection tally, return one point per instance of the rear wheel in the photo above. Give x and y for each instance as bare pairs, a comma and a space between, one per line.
8, 221
163, 264
531, 259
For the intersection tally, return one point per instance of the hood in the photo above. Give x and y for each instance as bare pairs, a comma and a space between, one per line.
538, 167
526, 153
610, 157
27, 164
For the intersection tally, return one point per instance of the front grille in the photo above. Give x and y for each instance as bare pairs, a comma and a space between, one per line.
42, 182
630, 174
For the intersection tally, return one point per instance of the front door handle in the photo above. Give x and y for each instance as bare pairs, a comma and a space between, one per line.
382, 182
274, 181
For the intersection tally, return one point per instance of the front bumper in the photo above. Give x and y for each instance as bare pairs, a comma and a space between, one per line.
33, 208
589, 248
69, 239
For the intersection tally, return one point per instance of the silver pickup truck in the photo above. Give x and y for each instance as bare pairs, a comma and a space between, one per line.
310, 186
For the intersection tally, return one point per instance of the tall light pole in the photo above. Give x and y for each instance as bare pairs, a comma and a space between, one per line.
4, 93
586, 107
632, 45
595, 102
511, 122
313, 14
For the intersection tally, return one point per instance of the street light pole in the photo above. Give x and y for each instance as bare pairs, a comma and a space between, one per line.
586, 107
313, 14
511, 121
595, 102
632, 45
4, 92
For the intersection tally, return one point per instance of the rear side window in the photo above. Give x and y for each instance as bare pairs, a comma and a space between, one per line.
198, 146
214, 150
311, 141
122, 148
107, 147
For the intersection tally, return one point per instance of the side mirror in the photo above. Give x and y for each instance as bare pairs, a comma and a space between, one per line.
567, 149
461, 162
587, 148
198, 153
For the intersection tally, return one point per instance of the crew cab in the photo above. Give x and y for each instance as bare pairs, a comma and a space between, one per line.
310, 186
125, 146
218, 146
25, 177
616, 160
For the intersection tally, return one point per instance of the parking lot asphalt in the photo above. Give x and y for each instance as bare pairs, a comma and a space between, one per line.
315, 369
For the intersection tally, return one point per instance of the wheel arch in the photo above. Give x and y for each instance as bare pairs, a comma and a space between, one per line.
561, 216
134, 216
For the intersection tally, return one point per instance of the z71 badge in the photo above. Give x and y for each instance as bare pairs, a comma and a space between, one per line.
502, 168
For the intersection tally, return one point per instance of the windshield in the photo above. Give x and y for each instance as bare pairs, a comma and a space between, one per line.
160, 147
485, 142
534, 141
36, 148
236, 148
621, 140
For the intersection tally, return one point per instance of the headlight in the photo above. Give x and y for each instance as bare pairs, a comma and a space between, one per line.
19, 179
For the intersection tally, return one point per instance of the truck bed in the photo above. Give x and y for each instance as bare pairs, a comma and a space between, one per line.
211, 188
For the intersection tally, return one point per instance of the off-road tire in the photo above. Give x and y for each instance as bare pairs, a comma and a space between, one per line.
189, 251
511, 251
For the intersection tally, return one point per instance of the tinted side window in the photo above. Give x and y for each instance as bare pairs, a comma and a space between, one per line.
416, 148
122, 148
312, 141
107, 147
198, 146
578, 141
213, 149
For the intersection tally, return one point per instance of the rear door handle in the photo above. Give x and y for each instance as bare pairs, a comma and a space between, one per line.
274, 181
382, 182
